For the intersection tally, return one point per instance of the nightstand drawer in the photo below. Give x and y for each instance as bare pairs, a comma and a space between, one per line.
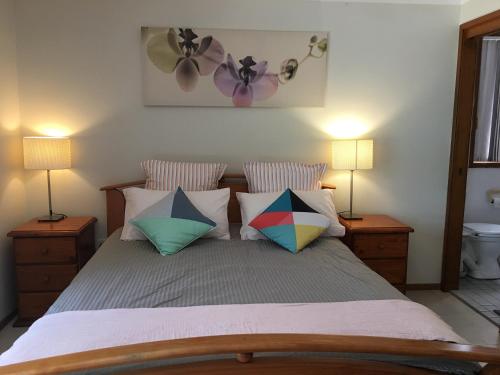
45, 250
48, 256
34, 305
44, 278
393, 270
372, 246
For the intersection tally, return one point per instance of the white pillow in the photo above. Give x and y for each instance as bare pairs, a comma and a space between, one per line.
211, 203
252, 205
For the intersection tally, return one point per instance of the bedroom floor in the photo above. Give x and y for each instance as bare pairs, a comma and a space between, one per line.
466, 322
482, 295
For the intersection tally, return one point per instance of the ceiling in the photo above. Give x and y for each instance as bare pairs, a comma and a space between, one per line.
435, 2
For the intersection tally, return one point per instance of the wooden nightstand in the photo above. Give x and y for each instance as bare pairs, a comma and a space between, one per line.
382, 244
48, 256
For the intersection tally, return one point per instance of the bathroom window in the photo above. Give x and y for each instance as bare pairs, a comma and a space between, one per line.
486, 152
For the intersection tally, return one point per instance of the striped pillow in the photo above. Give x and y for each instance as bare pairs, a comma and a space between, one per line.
169, 175
269, 177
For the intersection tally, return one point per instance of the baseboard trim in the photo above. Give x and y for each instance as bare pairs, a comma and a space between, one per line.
7, 319
423, 286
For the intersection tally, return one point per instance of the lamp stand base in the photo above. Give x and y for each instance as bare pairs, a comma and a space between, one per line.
51, 218
350, 216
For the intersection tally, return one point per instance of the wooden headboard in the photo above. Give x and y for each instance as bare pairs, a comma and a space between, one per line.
115, 200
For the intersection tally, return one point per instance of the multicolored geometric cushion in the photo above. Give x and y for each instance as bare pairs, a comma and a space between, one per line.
290, 222
172, 223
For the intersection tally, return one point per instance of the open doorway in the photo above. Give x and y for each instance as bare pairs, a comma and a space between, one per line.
472, 250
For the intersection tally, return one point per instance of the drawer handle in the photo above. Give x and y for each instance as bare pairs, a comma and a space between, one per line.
45, 251
381, 246
46, 278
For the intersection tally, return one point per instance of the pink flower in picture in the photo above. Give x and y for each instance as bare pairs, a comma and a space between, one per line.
246, 84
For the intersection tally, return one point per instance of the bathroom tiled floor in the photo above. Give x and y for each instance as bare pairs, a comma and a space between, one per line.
482, 295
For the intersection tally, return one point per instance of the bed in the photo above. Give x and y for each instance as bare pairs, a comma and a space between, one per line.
321, 311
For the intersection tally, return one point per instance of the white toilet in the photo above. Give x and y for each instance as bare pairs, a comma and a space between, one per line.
481, 251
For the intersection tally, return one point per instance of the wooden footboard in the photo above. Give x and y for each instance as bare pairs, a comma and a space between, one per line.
243, 348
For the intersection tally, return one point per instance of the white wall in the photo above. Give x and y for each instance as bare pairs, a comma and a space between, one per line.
392, 66
477, 8
12, 208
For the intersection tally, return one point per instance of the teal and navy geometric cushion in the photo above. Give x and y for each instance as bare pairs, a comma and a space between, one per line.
172, 223
290, 222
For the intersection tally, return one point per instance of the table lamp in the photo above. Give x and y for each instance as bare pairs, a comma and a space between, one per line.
352, 155
47, 153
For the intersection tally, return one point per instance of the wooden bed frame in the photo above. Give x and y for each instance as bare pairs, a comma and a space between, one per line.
243, 347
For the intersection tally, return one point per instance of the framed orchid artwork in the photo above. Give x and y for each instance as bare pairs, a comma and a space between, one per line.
233, 68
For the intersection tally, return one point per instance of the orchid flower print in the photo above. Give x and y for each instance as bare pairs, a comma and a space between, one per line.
289, 67
182, 53
244, 79
253, 82
245, 84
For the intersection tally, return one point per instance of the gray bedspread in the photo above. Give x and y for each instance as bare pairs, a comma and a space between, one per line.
133, 274
217, 272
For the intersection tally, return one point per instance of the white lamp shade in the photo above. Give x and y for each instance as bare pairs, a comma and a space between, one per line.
47, 152
352, 154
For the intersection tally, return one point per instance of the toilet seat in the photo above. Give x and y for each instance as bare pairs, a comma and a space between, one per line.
481, 250
483, 229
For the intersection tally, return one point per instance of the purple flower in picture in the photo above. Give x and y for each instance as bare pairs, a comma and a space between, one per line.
169, 51
246, 84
